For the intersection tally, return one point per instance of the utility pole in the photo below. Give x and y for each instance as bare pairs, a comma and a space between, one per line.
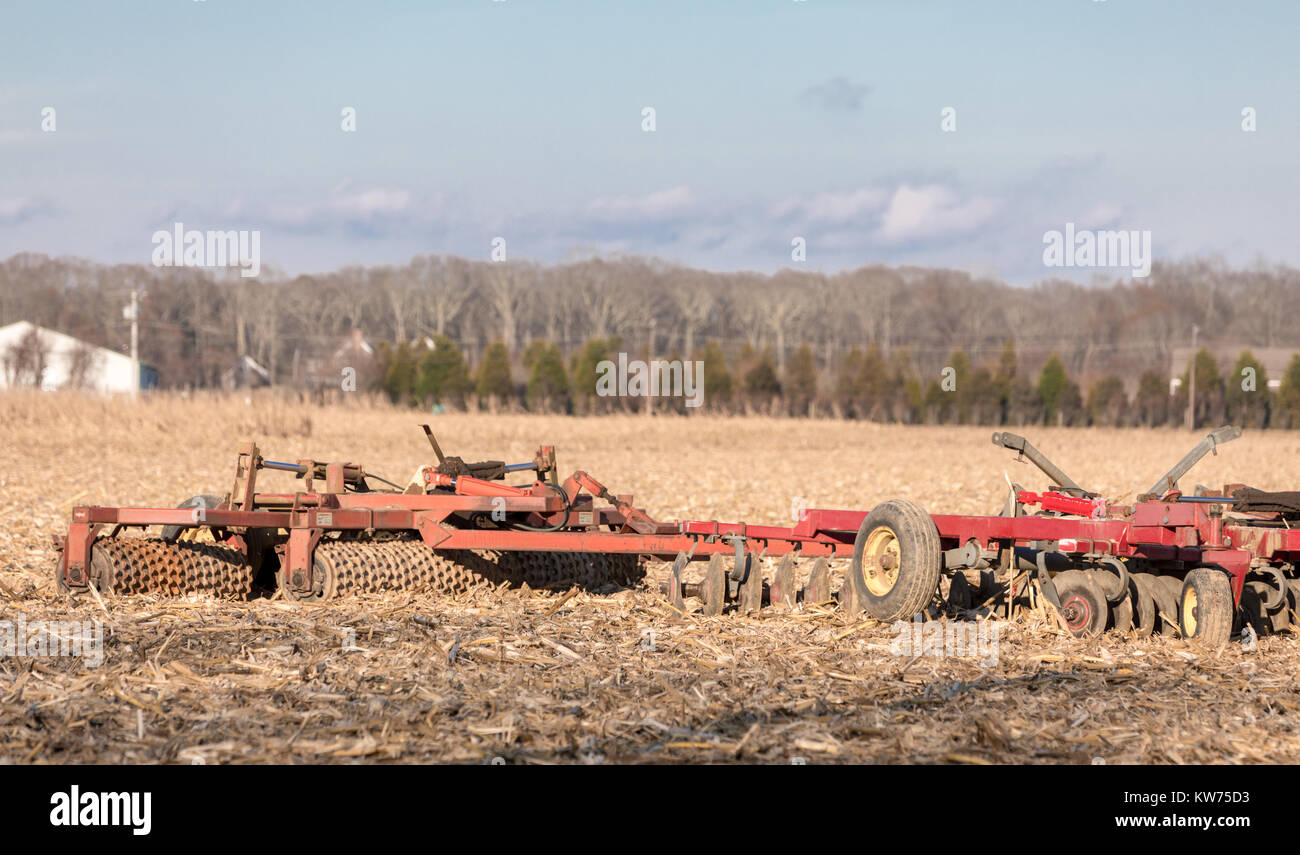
1191, 383
655, 379
133, 313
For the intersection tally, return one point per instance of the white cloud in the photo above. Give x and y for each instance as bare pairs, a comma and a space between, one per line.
834, 207
342, 208
20, 209
932, 210
379, 200
1101, 215
652, 206
839, 94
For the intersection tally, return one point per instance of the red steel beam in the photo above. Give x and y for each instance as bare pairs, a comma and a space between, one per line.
664, 545
712, 528
962, 527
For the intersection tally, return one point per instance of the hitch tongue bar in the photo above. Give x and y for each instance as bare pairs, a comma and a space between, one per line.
1169, 481
1051, 470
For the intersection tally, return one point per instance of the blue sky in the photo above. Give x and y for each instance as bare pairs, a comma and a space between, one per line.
774, 119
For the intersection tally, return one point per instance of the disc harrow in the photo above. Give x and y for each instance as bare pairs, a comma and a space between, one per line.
1161, 564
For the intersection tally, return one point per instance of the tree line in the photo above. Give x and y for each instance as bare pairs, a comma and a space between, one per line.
875, 340
866, 385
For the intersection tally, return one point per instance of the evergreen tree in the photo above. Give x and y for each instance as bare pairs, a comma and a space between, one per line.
1151, 402
494, 380
1073, 411
443, 375
1026, 407
801, 381
936, 403
1052, 385
983, 403
871, 390
904, 394
846, 384
400, 374
913, 400
1210, 406
1004, 381
548, 385
536, 348
761, 382
1107, 403
1246, 392
959, 399
717, 379
384, 361
585, 371
1288, 396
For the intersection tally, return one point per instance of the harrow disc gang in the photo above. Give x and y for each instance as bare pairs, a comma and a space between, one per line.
750, 594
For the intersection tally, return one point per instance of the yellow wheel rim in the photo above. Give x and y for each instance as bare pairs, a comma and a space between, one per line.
880, 561
1189, 611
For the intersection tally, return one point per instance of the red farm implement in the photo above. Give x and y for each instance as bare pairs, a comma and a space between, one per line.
1194, 563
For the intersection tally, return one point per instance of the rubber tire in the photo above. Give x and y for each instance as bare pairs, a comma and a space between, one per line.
1081, 585
919, 561
170, 533
1213, 611
1167, 592
1144, 611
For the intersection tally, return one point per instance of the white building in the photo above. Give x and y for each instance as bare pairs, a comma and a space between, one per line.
63, 361
1274, 361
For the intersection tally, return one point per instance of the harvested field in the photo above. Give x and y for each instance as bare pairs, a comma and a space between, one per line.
579, 677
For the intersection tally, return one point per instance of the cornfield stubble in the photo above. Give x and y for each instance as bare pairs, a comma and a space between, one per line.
522, 676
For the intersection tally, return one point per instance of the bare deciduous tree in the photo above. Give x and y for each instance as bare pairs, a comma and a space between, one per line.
83, 365
26, 360
695, 301
507, 284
